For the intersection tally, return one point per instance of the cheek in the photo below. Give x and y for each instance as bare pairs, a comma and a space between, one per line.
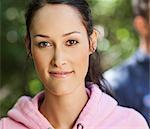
82, 61
41, 59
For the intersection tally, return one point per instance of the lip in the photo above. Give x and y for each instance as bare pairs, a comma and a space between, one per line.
60, 74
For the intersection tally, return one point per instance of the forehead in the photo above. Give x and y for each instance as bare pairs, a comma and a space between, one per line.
55, 8
57, 16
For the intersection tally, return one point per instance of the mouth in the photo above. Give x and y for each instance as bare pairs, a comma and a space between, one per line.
60, 74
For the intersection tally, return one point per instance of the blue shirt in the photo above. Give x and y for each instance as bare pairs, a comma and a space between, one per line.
131, 83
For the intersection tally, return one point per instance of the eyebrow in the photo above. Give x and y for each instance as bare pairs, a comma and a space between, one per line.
76, 32
46, 36
40, 35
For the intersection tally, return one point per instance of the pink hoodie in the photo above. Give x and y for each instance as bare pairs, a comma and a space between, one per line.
100, 112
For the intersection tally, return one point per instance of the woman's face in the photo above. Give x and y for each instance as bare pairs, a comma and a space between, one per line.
60, 48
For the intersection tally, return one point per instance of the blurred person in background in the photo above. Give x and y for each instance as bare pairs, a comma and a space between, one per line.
131, 80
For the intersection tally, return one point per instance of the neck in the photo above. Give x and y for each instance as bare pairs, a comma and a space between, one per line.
62, 111
145, 45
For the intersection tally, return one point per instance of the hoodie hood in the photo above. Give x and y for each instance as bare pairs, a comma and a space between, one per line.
98, 107
26, 112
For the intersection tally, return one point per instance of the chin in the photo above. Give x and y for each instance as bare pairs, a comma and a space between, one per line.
60, 88
61, 92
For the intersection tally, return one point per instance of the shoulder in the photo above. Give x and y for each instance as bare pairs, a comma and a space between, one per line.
122, 69
131, 118
137, 119
8, 123
119, 76
117, 70
114, 77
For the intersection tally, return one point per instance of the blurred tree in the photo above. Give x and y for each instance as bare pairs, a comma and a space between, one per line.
120, 40
14, 77
18, 76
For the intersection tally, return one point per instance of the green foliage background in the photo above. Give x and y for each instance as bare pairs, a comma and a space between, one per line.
18, 76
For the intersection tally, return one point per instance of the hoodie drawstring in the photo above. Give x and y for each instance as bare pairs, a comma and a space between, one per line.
79, 126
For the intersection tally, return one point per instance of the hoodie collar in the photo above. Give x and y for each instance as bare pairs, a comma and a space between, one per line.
98, 107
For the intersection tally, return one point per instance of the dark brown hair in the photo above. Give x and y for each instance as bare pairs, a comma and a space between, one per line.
141, 8
94, 73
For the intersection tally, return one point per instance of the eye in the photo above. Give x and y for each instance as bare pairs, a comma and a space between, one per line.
71, 42
44, 44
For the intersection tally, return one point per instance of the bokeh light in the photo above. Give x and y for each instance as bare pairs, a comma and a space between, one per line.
12, 36
11, 13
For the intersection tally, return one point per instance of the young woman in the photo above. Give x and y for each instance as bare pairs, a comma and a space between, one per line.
62, 42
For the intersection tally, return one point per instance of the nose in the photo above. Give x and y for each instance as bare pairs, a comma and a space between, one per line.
58, 58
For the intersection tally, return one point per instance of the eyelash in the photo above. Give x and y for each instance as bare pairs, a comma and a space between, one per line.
44, 44
69, 42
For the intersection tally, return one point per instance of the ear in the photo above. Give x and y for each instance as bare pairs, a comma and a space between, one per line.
140, 25
28, 45
93, 41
